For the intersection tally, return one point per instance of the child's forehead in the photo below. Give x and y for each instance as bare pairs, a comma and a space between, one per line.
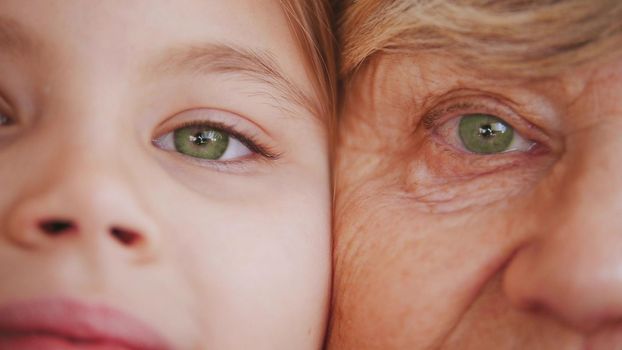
144, 24
158, 38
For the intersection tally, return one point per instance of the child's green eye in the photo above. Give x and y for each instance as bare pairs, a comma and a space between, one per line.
201, 142
204, 142
485, 134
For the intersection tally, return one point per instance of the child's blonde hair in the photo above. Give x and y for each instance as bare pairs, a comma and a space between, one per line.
311, 23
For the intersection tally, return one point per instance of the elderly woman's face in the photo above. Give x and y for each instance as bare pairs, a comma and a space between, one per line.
479, 213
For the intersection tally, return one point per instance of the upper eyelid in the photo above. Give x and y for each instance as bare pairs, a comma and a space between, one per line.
212, 124
466, 105
431, 118
204, 116
209, 114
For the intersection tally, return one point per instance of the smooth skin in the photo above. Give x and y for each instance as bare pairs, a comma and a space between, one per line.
215, 254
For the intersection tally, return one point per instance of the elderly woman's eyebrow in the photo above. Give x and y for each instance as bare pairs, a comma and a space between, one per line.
256, 65
522, 39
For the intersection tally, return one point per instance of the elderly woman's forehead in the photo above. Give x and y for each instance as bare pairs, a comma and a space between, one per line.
521, 38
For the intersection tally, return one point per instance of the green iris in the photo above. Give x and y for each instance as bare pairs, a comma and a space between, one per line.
485, 134
201, 142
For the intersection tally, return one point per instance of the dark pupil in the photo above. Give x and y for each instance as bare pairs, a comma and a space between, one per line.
486, 131
202, 138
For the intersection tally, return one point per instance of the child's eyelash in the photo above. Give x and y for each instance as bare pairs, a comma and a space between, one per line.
249, 141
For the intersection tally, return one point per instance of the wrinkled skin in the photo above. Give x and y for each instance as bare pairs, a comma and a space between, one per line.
440, 248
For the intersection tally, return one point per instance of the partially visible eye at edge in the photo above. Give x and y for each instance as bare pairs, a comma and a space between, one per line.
5, 120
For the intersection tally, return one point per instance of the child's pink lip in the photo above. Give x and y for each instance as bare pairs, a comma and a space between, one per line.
74, 323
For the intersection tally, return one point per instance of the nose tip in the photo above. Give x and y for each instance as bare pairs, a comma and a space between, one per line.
582, 288
90, 212
33, 234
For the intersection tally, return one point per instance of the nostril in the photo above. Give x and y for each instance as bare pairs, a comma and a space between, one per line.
126, 237
56, 227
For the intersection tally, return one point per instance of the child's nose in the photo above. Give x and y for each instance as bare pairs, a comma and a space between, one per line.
91, 210
57, 227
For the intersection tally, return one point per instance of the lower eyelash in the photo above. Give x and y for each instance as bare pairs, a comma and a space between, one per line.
226, 166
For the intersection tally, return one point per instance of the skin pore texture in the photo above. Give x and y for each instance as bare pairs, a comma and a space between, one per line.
437, 247
97, 206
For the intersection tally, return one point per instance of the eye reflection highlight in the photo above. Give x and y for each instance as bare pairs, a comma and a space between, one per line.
201, 142
485, 134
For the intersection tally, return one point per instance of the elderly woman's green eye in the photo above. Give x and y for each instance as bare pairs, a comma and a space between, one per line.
485, 134
201, 142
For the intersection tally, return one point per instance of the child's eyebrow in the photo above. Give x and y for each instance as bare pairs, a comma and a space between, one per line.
257, 65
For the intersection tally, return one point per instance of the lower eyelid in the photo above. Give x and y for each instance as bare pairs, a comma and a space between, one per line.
447, 163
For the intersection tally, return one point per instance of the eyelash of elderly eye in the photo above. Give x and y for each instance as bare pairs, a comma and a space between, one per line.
250, 141
431, 119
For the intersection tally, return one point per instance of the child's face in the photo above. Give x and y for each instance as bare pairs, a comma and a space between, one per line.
160, 158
